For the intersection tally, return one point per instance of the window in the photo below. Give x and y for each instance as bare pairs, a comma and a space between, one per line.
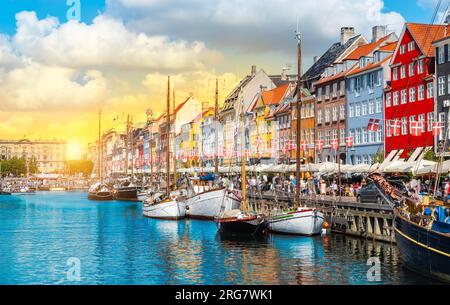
364, 135
327, 115
412, 94
380, 135
371, 80
441, 85
357, 136
342, 112
430, 118
379, 75
411, 69
421, 92
379, 105
448, 83
441, 55
320, 135
422, 120
411, 46
430, 93
404, 96
402, 49
342, 136
312, 110
358, 85
395, 73
342, 87
335, 114
371, 107
351, 111
327, 138
372, 136
357, 109
335, 89
364, 108
396, 98
388, 99
327, 92
402, 71
404, 126
335, 134
420, 66
411, 120
388, 128
319, 94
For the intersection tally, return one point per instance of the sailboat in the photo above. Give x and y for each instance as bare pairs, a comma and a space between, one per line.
170, 205
208, 204
241, 221
303, 220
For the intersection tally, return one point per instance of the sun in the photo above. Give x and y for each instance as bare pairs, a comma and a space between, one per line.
75, 150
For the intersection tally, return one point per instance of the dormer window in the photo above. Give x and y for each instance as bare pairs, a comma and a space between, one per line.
377, 57
362, 62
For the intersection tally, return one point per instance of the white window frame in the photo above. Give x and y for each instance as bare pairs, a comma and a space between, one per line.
421, 95
412, 94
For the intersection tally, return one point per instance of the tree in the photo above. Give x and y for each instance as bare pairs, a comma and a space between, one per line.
32, 165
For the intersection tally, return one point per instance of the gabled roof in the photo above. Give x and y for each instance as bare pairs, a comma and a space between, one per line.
389, 47
336, 76
425, 34
328, 58
366, 49
201, 115
369, 66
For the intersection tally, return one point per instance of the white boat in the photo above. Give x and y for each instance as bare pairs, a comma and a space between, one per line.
209, 204
170, 209
57, 189
304, 221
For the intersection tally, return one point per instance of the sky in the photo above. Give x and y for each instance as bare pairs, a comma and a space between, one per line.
58, 69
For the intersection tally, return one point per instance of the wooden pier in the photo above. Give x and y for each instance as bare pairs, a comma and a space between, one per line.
345, 215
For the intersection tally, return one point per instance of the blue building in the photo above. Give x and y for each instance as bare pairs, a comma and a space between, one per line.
365, 91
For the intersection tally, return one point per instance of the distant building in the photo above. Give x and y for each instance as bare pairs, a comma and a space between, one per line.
50, 155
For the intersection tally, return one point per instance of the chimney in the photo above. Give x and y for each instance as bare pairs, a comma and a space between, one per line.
346, 34
253, 70
378, 32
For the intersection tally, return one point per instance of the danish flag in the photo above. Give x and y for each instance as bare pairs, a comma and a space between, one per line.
319, 145
395, 127
416, 129
437, 128
304, 146
349, 141
374, 124
334, 144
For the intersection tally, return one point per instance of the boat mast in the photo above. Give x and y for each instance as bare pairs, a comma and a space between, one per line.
100, 144
243, 161
298, 112
174, 146
151, 152
168, 139
126, 144
216, 132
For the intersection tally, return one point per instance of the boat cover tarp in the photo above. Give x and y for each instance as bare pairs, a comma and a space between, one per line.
208, 177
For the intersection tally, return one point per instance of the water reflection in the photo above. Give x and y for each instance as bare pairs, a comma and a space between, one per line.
116, 245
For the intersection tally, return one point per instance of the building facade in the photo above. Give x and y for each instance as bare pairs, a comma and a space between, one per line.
50, 155
409, 100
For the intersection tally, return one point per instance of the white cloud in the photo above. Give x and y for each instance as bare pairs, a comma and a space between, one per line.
105, 43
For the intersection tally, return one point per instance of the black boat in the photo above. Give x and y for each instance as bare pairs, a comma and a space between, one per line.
241, 224
126, 192
423, 249
100, 192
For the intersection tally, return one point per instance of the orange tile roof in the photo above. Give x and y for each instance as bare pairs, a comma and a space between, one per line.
389, 47
274, 96
425, 34
201, 115
369, 66
366, 49
336, 76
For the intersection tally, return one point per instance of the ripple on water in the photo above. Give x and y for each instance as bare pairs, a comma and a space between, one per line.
116, 245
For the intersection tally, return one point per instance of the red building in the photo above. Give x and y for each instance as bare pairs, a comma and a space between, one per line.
409, 100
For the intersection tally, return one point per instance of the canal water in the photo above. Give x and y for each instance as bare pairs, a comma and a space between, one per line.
44, 236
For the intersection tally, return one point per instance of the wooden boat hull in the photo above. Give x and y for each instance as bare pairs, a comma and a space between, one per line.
209, 205
100, 196
253, 226
423, 251
127, 194
170, 210
307, 222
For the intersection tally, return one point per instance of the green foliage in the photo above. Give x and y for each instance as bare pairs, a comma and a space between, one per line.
83, 166
15, 166
379, 157
430, 156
